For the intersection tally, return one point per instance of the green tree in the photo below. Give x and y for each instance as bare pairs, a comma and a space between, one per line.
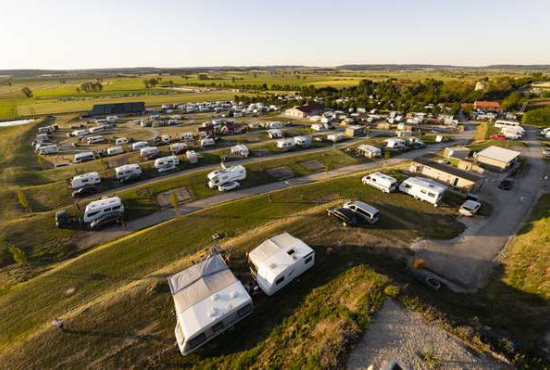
28, 92
18, 254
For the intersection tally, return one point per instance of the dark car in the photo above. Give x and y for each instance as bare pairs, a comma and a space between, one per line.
345, 215
110, 218
506, 184
85, 191
62, 219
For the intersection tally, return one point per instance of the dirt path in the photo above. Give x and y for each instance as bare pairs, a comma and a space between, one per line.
399, 334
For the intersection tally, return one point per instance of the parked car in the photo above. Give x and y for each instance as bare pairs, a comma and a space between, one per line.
363, 210
109, 218
85, 191
506, 184
498, 137
229, 186
546, 152
62, 219
347, 216
469, 208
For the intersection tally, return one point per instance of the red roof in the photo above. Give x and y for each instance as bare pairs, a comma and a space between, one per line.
487, 105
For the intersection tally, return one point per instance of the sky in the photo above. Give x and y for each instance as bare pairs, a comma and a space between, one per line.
77, 34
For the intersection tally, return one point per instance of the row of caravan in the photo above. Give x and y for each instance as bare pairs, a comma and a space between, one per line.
422, 188
209, 300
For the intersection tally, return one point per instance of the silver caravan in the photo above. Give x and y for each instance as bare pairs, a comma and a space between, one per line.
48, 149
424, 189
285, 143
99, 208
84, 157
115, 150
225, 175
209, 300
380, 181
166, 164
149, 152
274, 134
278, 261
302, 141
128, 172
192, 156
140, 145
87, 179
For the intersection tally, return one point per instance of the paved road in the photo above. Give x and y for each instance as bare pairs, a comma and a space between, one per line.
467, 260
91, 239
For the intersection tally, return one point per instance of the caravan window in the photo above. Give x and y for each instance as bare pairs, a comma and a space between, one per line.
280, 280
245, 310
198, 340
431, 195
218, 326
308, 260
91, 214
115, 208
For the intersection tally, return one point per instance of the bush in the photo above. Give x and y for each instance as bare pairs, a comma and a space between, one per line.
391, 290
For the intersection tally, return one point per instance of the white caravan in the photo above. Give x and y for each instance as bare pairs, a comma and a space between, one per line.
192, 156
278, 261
95, 139
369, 151
166, 164
207, 142
187, 136
140, 145
274, 134
424, 189
86, 179
48, 149
380, 181
178, 148
241, 150
121, 141
127, 172
274, 125
98, 129
285, 143
78, 133
115, 150
208, 301
102, 207
395, 143
149, 152
302, 140
225, 175
335, 137
501, 123
512, 133
84, 157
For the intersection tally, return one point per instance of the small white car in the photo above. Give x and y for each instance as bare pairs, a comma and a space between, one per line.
469, 208
229, 186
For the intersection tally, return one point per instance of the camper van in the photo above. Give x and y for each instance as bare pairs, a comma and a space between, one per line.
48, 149
226, 174
187, 136
115, 150
95, 139
84, 157
192, 156
140, 145
149, 152
302, 141
99, 128
207, 142
274, 134
166, 164
285, 143
278, 261
178, 148
380, 181
99, 208
208, 300
121, 141
127, 172
87, 179
424, 189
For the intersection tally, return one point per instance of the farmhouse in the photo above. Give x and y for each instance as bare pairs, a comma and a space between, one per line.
305, 110
487, 105
447, 174
497, 158
118, 108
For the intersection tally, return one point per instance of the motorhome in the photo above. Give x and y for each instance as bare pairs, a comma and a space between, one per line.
274, 125
99, 208
226, 174
208, 300
178, 148
78, 133
149, 152
187, 136
115, 150
100, 128
274, 134
84, 157
86, 179
47, 129
140, 145
285, 143
512, 133
48, 149
166, 164
207, 142
395, 143
241, 150
424, 189
95, 139
192, 156
335, 137
380, 181
302, 140
278, 261
127, 172
121, 140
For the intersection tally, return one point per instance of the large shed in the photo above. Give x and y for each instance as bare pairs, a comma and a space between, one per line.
497, 158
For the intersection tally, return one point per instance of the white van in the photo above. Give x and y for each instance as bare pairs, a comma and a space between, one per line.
149, 152
424, 189
87, 179
363, 210
166, 164
121, 141
99, 208
95, 139
48, 149
115, 150
84, 157
380, 181
127, 172
140, 145
225, 175
207, 142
